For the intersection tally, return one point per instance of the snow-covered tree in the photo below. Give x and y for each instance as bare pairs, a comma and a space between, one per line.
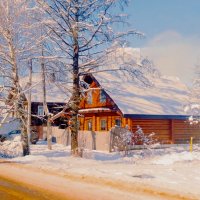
122, 139
140, 138
83, 35
15, 47
192, 107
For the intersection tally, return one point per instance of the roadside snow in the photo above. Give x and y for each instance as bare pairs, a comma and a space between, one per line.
180, 157
11, 148
173, 168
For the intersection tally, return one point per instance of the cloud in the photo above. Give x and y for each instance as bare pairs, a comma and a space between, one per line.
174, 54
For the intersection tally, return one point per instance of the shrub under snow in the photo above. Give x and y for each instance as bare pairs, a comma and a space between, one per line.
140, 138
11, 148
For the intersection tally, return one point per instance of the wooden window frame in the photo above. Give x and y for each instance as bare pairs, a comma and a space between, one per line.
39, 111
120, 122
106, 124
102, 97
90, 97
89, 121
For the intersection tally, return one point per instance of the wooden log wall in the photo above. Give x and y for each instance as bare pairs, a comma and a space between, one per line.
161, 128
183, 131
167, 131
96, 118
96, 99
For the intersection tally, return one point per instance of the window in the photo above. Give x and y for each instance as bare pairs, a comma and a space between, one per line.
40, 110
89, 125
102, 96
117, 122
103, 125
89, 97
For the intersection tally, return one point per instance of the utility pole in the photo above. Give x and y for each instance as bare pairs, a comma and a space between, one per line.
46, 110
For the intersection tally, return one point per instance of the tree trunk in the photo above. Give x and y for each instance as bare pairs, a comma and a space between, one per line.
25, 143
18, 100
76, 89
29, 102
49, 133
23, 119
46, 110
75, 104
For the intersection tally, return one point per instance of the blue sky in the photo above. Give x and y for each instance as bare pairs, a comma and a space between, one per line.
157, 16
172, 29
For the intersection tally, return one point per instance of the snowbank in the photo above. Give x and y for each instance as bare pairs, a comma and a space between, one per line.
11, 148
174, 168
181, 157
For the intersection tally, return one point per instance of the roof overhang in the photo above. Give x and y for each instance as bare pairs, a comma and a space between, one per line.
145, 116
49, 103
95, 110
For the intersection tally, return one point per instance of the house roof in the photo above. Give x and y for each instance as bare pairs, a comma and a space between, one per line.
56, 92
166, 97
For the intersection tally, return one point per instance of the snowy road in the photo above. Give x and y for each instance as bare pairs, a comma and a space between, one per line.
171, 173
12, 190
68, 186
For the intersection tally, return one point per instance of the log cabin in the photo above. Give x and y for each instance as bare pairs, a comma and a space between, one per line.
116, 100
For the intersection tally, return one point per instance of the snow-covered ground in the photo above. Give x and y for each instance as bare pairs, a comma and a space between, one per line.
11, 148
174, 168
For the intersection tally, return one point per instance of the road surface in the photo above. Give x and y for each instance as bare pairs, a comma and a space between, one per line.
18, 181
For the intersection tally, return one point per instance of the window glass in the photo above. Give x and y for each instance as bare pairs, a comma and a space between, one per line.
103, 124
117, 122
102, 96
89, 97
89, 125
40, 110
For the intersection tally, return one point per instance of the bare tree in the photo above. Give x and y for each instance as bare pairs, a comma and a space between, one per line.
83, 35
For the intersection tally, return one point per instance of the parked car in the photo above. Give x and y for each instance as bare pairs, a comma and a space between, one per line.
33, 137
15, 132
9, 136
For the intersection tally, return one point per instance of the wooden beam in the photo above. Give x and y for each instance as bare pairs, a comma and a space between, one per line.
172, 131
112, 121
94, 123
107, 123
84, 123
123, 122
98, 124
130, 124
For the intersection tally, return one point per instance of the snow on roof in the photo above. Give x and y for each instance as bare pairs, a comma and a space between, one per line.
94, 110
166, 97
58, 92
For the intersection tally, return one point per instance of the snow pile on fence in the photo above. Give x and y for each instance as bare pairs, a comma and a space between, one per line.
11, 148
